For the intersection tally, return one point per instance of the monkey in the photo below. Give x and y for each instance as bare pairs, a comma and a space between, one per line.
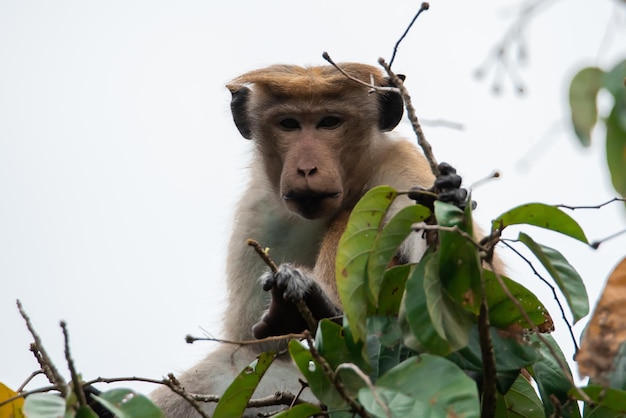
320, 141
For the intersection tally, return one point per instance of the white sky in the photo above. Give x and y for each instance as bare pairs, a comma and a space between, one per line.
120, 164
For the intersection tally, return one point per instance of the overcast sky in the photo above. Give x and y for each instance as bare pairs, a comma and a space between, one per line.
120, 164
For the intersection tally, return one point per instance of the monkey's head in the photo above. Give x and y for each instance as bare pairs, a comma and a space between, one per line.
315, 131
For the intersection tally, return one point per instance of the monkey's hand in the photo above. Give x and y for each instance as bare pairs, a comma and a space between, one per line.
447, 188
288, 286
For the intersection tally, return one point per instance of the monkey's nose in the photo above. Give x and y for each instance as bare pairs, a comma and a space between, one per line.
307, 172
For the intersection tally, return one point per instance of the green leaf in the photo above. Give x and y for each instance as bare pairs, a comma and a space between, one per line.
393, 402
302, 410
564, 275
234, 401
392, 289
503, 312
449, 319
520, 401
459, 262
616, 143
388, 241
43, 405
614, 79
333, 347
410, 386
353, 252
421, 334
510, 354
126, 403
543, 216
583, 92
601, 396
551, 379
319, 384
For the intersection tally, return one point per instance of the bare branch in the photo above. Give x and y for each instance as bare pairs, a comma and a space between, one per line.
78, 390
601, 205
368, 382
301, 305
46, 364
191, 339
419, 133
423, 7
370, 85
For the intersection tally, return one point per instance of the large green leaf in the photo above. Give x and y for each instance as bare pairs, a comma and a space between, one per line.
520, 401
616, 143
459, 262
551, 379
503, 312
353, 252
392, 289
388, 241
331, 343
410, 389
583, 92
125, 403
543, 216
319, 384
438, 323
564, 275
234, 401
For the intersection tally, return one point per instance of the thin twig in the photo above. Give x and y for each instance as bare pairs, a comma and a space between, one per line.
78, 390
421, 226
601, 205
46, 364
304, 310
547, 283
419, 133
371, 86
424, 6
177, 388
191, 339
28, 379
597, 244
488, 357
368, 383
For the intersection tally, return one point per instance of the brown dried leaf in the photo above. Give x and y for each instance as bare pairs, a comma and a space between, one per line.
606, 329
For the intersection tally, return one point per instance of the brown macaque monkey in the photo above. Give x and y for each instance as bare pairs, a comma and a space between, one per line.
320, 142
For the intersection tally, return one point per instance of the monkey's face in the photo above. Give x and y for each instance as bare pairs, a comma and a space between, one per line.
307, 148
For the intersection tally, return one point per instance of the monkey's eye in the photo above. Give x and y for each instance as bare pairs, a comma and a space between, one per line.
289, 124
329, 122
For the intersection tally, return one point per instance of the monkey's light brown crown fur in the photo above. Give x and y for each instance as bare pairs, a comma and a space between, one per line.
296, 81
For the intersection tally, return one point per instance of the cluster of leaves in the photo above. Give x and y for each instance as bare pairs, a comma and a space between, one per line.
122, 403
411, 343
583, 95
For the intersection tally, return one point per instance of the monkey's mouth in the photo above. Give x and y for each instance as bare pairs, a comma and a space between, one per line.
312, 204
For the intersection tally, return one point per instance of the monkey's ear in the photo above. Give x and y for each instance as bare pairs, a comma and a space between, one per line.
391, 107
238, 107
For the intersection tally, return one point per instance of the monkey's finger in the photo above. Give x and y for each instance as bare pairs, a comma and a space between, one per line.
260, 330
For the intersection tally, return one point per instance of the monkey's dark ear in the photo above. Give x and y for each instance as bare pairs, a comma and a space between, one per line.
391, 107
238, 107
